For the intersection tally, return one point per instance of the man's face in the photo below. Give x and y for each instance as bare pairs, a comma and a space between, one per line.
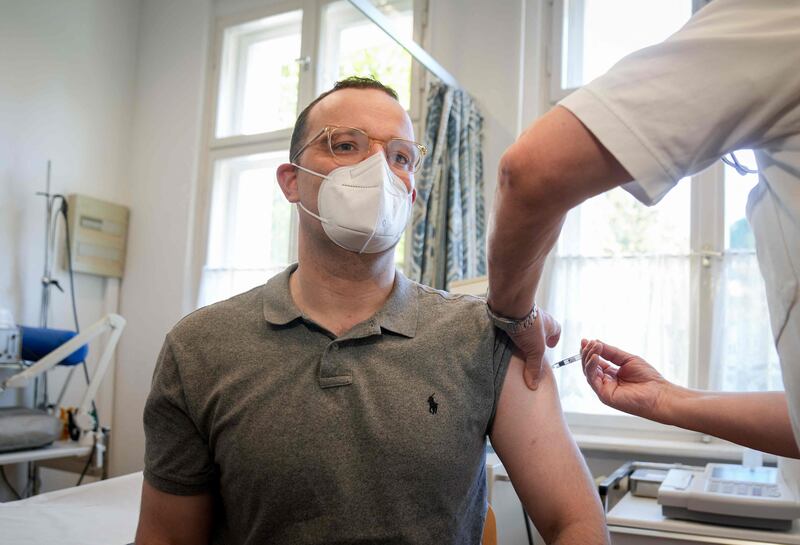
372, 111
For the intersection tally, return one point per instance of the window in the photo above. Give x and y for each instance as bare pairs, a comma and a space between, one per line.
345, 32
592, 35
267, 66
743, 353
677, 283
622, 274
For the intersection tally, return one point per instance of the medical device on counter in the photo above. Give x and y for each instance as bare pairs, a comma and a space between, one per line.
734, 495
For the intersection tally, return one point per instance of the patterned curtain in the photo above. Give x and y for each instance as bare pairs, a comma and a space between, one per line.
449, 230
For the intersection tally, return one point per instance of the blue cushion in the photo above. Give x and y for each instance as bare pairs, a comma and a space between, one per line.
37, 342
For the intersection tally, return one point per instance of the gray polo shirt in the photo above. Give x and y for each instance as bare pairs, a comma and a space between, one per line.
376, 436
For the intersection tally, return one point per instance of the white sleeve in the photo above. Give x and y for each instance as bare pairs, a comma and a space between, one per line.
728, 80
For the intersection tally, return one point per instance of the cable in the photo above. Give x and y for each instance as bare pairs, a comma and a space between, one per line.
8, 484
88, 460
527, 526
64, 210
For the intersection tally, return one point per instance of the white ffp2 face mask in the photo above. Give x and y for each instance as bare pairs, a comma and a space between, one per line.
364, 207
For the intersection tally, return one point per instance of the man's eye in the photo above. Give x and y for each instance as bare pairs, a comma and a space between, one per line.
400, 159
344, 147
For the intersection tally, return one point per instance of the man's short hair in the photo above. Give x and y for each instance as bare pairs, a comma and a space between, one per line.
353, 82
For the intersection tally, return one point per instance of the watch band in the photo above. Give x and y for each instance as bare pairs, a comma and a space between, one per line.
512, 326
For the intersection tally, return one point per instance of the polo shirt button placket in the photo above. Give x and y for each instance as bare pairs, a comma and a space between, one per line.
328, 375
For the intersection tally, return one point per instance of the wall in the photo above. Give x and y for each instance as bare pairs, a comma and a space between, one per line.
66, 79
493, 49
164, 157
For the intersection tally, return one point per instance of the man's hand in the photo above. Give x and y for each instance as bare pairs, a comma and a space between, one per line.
545, 332
623, 381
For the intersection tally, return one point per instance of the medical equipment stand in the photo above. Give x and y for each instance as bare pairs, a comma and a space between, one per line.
93, 443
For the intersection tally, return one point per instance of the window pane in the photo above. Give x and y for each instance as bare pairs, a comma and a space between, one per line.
259, 76
738, 234
249, 234
598, 33
743, 352
616, 224
354, 46
622, 274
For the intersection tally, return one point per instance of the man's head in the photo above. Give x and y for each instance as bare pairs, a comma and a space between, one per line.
357, 103
301, 132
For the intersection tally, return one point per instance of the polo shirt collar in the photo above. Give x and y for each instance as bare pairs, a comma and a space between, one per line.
398, 314
279, 308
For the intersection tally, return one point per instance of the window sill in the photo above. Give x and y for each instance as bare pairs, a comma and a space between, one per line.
715, 449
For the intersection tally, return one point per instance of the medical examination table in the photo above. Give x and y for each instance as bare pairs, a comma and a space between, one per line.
101, 513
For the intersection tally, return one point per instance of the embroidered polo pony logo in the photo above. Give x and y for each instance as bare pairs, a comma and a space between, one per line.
432, 405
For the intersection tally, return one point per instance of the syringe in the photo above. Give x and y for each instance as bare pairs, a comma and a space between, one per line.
566, 361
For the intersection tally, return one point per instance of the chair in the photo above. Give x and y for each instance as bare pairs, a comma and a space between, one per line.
489, 528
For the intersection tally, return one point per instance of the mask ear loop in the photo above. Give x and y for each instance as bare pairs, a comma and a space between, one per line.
312, 214
300, 204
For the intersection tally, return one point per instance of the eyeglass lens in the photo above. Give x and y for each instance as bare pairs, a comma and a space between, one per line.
349, 146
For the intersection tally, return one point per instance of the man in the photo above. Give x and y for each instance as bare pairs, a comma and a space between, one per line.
341, 402
727, 80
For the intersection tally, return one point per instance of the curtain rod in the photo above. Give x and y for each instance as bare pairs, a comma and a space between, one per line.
374, 15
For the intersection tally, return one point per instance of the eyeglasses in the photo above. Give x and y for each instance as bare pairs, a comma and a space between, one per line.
349, 146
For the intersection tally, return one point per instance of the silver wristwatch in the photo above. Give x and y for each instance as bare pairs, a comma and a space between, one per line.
512, 326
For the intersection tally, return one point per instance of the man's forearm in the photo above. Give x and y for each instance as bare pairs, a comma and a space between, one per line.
758, 420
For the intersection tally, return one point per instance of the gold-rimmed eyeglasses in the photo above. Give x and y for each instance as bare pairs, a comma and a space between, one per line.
349, 145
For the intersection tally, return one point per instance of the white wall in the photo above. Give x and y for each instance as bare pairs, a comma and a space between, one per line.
164, 157
484, 45
66, 78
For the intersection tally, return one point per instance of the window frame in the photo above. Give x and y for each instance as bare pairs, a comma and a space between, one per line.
214, 147
706, 252
555, 44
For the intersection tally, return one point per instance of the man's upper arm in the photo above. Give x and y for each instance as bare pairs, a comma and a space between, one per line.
168, 519
545, 466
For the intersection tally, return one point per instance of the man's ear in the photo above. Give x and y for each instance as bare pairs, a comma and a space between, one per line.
287, 179
413, 195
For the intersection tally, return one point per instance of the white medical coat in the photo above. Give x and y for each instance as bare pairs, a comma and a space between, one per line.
728, 80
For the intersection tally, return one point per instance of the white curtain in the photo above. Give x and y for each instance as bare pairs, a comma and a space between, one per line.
249, 235
640, 304
743, 355
220, 284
